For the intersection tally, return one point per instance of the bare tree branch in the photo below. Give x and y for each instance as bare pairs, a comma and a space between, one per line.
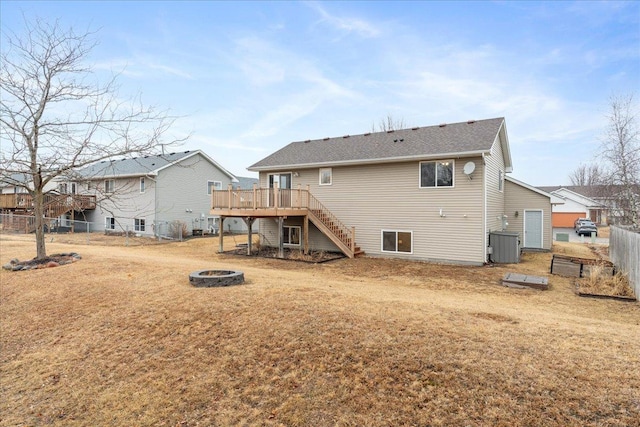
387, 124
58, 117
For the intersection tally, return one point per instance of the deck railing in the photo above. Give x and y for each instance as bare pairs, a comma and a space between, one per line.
276, 198
25, 201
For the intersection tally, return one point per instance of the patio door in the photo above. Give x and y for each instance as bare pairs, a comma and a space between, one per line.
284, 184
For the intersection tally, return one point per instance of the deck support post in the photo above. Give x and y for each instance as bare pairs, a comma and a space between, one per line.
305, 236
249, 221
220, 235
353, 240
280, 237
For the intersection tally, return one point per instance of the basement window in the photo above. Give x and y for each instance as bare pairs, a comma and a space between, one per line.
291, 235
139, 224
397, 241
110, 223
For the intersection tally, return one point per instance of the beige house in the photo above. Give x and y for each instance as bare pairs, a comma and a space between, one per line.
425, 193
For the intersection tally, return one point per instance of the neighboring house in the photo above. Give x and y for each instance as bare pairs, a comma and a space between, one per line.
60, 204
578, 205
153, 195
426, 193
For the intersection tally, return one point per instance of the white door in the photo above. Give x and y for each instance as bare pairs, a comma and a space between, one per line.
533, 229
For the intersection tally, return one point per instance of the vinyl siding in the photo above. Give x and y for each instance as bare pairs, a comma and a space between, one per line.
517, 199
177, 193
387, 197
182, 193
495, 197
124, 204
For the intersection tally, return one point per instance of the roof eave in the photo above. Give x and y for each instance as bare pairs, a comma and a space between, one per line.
464, 154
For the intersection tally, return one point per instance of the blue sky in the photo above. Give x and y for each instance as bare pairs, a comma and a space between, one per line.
250, 77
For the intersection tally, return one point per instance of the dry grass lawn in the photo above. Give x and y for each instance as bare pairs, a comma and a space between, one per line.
121, 338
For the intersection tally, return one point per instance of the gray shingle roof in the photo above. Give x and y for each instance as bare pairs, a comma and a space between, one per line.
473, 137
132, 167
246, 183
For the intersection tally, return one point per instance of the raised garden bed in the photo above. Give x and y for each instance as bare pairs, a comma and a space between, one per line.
569, 266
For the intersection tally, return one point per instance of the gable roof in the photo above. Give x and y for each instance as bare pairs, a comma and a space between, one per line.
464, 139
583, 190
565, 193
554, 199
139, 166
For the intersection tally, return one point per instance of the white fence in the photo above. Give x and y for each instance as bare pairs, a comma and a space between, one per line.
624, 250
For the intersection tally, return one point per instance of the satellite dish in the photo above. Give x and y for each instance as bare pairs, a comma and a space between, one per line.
468, 169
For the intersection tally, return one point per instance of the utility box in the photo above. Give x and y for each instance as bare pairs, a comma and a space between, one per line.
505, 247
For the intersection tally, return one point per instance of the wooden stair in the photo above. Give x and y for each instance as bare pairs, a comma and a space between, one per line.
341, 235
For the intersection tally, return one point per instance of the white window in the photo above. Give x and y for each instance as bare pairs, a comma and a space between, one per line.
213, 185
109, 185
500, 180
110, 223
138, 224
397, 241
325, 176
436, 174
291, 235
142, 185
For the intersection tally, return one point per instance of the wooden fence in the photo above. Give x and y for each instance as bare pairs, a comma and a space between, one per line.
624, 251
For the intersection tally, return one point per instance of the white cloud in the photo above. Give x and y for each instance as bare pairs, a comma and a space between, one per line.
345, 24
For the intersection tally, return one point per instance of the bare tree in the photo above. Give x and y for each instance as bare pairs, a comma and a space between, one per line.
388, 123
55, 117
588, 175
621, 151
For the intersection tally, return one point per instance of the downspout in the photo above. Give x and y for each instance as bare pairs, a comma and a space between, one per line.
155, 204
485, 244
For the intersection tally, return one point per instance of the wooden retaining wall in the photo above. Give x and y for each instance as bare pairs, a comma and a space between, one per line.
624, 251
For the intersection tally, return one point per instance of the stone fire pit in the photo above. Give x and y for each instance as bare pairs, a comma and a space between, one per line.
215, 278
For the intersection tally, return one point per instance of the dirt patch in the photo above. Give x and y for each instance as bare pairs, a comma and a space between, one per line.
289, 254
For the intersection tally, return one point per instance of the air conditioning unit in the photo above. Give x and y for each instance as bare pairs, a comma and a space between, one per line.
505, 247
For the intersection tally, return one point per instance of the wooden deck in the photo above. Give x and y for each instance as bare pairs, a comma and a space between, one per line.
281, 203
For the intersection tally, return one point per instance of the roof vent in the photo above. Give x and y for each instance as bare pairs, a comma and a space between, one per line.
367, 134
171, 154
442, 125
325, 139
186, 151
346, 136
416, 128
395, 140
470, 122
390, 131
153, 164
307, 141
401, 139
